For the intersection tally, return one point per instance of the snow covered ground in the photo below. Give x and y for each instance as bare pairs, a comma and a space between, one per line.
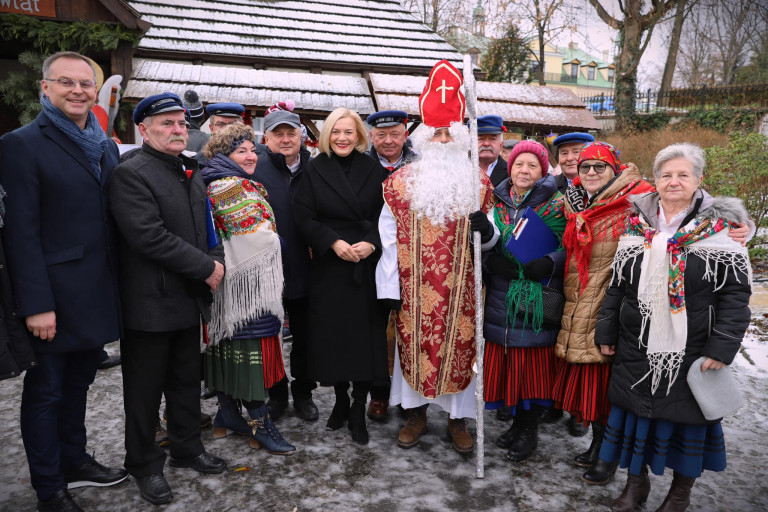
330, 473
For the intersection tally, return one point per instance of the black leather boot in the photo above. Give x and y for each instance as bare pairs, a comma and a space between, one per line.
528, 437
589, 457
635, 492
340, 411
357, 422
509, 436
600, 473
679, 495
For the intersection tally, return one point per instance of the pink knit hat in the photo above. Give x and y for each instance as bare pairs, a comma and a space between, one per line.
530, 146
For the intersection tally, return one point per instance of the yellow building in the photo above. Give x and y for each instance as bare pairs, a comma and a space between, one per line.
574, 69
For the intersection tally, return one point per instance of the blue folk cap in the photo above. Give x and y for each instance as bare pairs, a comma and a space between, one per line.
225, 109
568, 138
387, 118
490, 125
157, 104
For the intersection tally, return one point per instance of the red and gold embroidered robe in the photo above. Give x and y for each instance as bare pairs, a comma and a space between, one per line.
436, 324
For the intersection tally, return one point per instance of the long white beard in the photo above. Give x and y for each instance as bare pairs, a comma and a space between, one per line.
440, 186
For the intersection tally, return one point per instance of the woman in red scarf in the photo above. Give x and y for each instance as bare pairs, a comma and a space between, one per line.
596, 209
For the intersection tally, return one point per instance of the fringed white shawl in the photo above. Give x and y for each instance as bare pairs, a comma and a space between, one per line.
661, 289
253, 278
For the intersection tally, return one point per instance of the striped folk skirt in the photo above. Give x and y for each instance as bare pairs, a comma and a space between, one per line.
582, 390
518, 376
244, 369
687, 449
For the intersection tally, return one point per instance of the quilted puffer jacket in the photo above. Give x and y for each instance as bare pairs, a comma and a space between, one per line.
576, 341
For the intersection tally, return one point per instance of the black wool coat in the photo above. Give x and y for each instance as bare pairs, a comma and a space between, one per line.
499, 172
272, 172
161, 216
347, 325
59, 238
717, 320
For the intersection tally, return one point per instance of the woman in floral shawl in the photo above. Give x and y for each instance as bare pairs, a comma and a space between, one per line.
519, 365
243, 358
680, 292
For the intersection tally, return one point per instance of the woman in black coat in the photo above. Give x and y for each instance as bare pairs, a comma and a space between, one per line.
680, 291
337, 206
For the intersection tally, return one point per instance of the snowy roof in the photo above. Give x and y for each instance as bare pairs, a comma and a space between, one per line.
343, 34
522, 105
254, 88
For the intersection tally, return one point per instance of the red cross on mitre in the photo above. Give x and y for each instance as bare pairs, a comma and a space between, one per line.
442, 101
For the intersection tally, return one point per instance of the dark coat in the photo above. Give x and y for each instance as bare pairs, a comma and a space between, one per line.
562, 183
499, 173
272, 172
164, 256
347, 326
495, 329
58, 235
16, 354
717, 320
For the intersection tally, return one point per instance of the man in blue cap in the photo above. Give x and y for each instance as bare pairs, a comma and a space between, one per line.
60, 249
489, 138
168, 269
567, 148
224, 114
388, 135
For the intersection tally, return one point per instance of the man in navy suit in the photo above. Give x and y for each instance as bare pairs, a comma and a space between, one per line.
60, 253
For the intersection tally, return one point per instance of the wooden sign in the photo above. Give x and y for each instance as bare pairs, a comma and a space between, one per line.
45, 8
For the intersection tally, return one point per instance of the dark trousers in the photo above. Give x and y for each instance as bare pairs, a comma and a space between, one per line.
302, 386
53, 416
360, 390
157, 363
381, 391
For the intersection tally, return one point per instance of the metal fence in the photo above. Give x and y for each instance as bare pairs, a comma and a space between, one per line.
746, 95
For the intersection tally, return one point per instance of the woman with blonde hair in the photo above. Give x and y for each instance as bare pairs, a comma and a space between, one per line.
337, 206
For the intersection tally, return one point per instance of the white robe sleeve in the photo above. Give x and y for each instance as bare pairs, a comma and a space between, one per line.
387, 271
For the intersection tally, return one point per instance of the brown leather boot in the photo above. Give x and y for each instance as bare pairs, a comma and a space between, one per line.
377, 409
414, 427
679, 495
462, 441
635, 492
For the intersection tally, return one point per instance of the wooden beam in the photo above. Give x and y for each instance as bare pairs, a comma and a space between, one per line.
127, 16
312, 132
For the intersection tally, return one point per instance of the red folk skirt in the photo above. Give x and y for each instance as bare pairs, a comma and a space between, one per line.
582, 390
513, 374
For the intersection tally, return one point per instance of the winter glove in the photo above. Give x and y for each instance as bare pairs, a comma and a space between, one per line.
478, 221
500, 266
538, 269
392, 304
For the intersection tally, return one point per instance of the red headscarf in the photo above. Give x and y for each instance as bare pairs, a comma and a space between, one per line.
604, 152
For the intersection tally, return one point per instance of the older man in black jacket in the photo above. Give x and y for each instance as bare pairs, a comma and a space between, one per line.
169, 263
280, 166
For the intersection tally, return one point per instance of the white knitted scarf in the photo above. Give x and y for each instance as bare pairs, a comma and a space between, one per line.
666, 322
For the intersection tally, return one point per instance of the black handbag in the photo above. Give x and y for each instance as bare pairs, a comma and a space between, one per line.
553, 304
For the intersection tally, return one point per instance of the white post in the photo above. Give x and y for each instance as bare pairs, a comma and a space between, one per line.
470, 94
